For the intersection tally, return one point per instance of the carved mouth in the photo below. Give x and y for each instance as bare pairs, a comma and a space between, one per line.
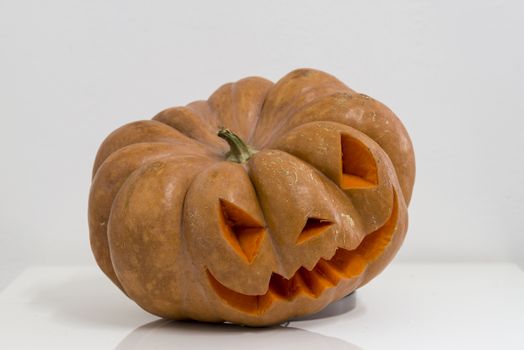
326, 274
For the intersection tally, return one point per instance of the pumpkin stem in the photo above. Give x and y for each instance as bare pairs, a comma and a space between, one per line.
239, 151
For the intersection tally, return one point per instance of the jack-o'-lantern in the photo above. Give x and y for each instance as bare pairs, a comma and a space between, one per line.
265, 202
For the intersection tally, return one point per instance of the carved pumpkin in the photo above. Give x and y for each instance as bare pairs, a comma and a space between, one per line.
265, 202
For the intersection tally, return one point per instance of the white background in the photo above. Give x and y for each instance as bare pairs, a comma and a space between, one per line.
73, 71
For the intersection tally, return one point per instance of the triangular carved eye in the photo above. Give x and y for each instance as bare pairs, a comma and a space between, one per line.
313, 228
241, 230
359, 169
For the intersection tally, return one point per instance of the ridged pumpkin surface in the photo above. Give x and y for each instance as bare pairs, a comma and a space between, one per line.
317, 211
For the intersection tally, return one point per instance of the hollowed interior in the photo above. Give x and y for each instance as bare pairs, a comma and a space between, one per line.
359, 169
241, 230
313, 227
344, 264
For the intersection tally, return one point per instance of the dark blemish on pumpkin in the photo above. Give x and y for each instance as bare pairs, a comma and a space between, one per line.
303, 72
156, 166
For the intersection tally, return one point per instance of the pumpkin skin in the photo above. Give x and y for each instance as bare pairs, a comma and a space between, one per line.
318, 211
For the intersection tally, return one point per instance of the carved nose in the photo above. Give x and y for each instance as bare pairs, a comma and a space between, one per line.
314, 227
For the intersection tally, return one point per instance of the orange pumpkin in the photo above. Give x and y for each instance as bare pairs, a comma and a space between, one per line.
265, 202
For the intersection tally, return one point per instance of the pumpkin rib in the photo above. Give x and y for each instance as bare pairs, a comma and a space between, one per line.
185, 251
270, 235
202, 108
281, 128
253, 92
122, 251
193, 125
238, 104
262, 102
125, 157
221, 103
208, 241
268, 229
143, 131
297, 88
175, 148
380, 261
192, 262
292, 83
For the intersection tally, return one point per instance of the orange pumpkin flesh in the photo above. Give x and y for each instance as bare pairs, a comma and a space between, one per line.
301, 200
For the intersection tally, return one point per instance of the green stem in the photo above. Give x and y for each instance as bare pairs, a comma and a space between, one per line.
239, 151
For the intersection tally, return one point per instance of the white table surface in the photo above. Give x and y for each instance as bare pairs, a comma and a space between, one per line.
409, 306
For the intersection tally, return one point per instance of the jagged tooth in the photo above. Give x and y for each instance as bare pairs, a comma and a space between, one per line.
307, 278
281, 287
319, 283
300, 282
322, 277
329, 271
273, 286
340, 259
